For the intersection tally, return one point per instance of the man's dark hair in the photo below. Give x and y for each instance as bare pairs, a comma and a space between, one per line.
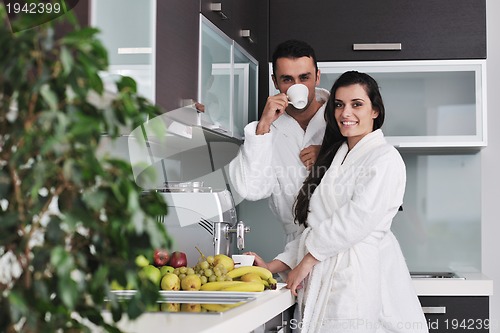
294, 49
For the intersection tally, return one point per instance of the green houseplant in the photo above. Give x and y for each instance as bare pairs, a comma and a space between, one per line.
71, 222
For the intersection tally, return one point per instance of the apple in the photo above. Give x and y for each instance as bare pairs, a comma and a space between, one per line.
170, 282
161, 257
191, 282
178, 259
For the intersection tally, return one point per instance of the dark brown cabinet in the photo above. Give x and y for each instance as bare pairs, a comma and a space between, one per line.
456, 313
426, 29
177, 39
244, 21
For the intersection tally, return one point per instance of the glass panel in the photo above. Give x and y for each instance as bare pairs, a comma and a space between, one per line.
440, 225
245, 91
129, 39
215, 78
425, 104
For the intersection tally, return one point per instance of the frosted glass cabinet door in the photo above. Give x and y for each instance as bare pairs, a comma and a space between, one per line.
228, 82
128, 33
215, 77
428, 103
245, 90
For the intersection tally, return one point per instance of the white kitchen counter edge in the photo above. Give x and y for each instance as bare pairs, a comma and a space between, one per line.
475, 284
244, 318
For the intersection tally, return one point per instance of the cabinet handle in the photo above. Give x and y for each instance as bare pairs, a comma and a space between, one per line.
434, 309
246, 33
217, 7
377, 47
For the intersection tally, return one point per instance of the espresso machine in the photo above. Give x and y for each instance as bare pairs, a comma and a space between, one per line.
202, 217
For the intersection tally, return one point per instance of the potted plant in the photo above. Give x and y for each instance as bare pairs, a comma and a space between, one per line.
71, 222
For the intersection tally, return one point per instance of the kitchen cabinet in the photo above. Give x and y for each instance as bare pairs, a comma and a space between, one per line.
154, 42
129, 38
228, 82
429, 104
456, 313
398, 29
241, 20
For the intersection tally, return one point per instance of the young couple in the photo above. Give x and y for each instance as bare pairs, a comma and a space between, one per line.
341, 258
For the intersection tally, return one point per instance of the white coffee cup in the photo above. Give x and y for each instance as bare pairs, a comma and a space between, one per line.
297, 95
243, 260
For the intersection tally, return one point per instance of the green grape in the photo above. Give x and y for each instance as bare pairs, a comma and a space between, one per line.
210, 259
223, 270
228, 278
212, 278
204, 264
182, 276
217, 271
183, 269
221, 278
204, 279
176, 271
190, 271
208, 272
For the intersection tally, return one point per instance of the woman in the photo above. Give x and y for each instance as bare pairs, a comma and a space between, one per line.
347, 263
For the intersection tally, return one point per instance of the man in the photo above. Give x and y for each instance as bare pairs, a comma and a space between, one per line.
281, 147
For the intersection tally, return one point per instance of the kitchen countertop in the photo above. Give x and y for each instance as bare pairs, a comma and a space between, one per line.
254, 314
474, 284
243, 318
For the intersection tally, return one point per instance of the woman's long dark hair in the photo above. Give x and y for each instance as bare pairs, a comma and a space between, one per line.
333, 139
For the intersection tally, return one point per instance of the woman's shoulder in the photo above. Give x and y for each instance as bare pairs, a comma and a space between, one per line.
384, 153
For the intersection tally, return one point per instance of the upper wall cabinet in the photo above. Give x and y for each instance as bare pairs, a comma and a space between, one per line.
154, 42
238, 19
360, 30
430, 105
129, 39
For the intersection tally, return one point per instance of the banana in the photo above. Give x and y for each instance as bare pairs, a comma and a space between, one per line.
264, 273
218, 307
218, 285
246, 286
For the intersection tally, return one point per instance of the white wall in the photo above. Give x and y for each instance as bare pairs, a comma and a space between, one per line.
490, 165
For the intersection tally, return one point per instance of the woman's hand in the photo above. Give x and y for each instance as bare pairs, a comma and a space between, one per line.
274, 266
258, 261
299, 273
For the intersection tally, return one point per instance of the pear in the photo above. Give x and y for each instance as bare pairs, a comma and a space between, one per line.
170, 307
190, 307
226, 261
152, 273
191, 282
166, 269
170, 281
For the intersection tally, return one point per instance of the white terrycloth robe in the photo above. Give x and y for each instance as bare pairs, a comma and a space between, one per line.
362, 283
269, 165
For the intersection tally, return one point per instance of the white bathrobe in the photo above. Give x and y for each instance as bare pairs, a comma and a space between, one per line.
269, 165
362, 283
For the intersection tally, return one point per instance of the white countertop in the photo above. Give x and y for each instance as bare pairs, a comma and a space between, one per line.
244, 318
270, 303
474, 284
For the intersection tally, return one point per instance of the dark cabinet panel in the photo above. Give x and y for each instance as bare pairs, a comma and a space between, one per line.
426, 29
456, 313
244, 21
177, 38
